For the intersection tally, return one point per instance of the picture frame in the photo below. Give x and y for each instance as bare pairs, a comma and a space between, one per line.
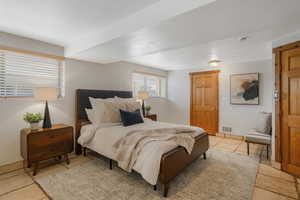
244, 89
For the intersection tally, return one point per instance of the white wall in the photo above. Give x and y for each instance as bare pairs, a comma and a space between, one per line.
78, 74
286, 39
240, 117
14, 41
120, 78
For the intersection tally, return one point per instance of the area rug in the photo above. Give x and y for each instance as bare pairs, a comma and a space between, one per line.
224, 176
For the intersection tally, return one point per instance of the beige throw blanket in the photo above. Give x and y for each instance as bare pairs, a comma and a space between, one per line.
129, 147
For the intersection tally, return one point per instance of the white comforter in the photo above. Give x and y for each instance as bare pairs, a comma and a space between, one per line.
102, 138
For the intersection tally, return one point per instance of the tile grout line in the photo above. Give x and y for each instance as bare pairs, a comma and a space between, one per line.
297, 188
10, 167
216, 143
238, 146
32, 178
276, 192
257, 173
9, 176
284, 195
7, 172
24, 186
276, 178
42, 189
36, 183
260, 159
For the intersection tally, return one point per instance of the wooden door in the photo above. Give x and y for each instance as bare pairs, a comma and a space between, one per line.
204, 106
290, 109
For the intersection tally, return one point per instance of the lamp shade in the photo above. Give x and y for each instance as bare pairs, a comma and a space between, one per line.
143, 95
46, 94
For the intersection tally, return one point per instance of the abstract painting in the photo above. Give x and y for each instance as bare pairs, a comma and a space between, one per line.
244, 89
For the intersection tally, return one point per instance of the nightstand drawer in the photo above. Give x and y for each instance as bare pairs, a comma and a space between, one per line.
48, 151
53, 137
46, 143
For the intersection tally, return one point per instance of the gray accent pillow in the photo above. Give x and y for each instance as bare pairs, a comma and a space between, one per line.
264, 123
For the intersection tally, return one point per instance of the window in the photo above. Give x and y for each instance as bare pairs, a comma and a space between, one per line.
153, 84
21, 73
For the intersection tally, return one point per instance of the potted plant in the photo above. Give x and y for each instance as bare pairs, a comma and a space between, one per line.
148, 108
33, 120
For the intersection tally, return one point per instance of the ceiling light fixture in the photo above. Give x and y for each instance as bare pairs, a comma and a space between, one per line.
214, 63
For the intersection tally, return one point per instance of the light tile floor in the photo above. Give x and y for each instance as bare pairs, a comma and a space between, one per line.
271, 183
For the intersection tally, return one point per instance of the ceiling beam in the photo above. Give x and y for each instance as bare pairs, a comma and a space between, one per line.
150, 16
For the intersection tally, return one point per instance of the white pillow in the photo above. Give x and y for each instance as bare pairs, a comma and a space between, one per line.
90, 115
94, 101
264, 123
131, 104
125, 99
106, 110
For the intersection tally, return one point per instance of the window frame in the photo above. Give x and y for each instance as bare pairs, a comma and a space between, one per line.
61, 69
159, 84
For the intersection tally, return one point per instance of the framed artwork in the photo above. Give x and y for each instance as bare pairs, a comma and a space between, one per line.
244, 89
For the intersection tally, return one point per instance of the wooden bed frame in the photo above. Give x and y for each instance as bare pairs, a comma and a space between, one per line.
172, 162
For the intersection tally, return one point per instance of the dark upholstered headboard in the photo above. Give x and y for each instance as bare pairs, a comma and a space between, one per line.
82, 102
82, 99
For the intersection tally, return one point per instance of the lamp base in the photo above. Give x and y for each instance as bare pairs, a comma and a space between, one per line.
47, 119
143, 108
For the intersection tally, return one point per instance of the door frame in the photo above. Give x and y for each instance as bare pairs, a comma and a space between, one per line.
191, 92
278, 69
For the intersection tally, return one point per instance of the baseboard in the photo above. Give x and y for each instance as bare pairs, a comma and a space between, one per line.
276, 165
230, 135
11, 167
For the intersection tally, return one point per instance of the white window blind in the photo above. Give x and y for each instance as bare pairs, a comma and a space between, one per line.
21, 73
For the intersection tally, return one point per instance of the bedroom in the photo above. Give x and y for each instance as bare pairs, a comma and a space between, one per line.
167, 48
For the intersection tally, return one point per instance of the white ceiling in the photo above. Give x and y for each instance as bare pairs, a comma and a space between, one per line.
63, 21
167, 34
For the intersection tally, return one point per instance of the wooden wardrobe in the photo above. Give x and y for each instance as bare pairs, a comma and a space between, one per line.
204, 100
288, 107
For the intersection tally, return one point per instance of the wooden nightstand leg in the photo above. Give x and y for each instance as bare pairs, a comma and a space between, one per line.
26, 164
36, 167
67, 159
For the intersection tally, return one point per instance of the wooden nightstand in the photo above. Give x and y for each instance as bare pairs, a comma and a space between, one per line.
46, 143
152, 117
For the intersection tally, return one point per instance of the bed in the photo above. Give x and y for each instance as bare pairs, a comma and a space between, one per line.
171, 162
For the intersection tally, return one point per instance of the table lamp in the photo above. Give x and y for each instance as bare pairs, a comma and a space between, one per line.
46, 94
143, 95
